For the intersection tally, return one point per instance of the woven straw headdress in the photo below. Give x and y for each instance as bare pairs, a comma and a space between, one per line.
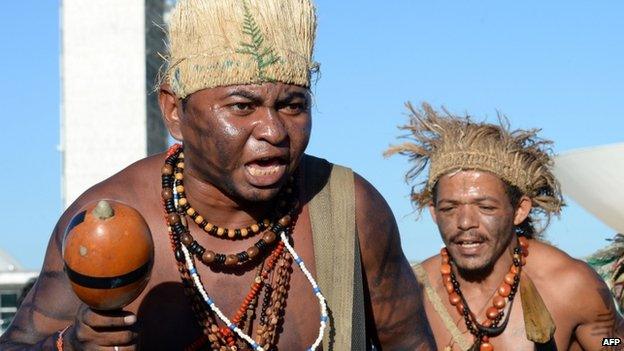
229, 42
450, 143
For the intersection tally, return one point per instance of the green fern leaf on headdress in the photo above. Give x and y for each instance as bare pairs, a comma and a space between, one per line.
264, 56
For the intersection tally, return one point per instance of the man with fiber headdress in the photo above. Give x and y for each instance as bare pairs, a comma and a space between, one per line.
496, 284
236, 210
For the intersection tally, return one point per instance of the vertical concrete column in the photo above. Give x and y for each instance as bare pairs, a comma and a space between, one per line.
154, 46
109, 116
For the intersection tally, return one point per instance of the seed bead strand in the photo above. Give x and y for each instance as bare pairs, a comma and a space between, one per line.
183, 255
206, 226
247, 307
211, 332
256, 286
226, 332
251, 296
200, 288
272, 311
275, 298
181, 234
208, 257
204, 320
248, 304
315, 289
209, 328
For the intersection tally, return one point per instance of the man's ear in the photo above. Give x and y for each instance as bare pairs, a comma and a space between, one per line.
170, 108
432, 212
523, 209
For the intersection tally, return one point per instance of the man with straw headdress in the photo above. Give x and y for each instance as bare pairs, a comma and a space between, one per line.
261, 246
486, 188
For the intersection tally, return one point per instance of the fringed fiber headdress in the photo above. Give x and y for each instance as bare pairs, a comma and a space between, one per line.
229, 42
451, 143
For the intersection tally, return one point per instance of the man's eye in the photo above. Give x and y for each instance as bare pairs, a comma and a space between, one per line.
445, 209
242, 106
487, 208
294, 108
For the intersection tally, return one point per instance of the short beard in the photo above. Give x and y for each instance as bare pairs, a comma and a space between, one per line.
479, 274
476, 275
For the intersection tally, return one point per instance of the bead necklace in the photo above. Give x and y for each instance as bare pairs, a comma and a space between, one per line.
205, 321
200, 288
315, 288
254, 291
216, 336
271, 313
210, 228
213, 333
504, 296
232, 326
225, 334
245, 311
175, 219
183, 255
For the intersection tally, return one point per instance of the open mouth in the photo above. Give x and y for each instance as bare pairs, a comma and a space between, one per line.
469, 246
266, 171
264, 166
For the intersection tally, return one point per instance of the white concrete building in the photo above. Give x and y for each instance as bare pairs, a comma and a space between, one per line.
109, 115
109, 63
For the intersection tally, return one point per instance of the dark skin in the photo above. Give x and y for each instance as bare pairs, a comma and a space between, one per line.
472, 206
224, 129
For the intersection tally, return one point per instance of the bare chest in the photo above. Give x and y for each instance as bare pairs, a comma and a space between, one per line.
513, 337
166, 319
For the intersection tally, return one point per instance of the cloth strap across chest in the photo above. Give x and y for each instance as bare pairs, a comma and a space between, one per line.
539, 324
336, 251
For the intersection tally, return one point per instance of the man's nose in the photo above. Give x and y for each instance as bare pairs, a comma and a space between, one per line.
270, 126
466, 218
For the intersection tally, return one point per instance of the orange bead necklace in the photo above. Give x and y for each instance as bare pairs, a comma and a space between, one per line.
493, 324
278, 262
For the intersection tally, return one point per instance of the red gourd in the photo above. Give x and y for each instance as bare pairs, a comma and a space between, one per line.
108, 253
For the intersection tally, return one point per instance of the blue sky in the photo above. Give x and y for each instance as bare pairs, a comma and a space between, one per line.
555, 65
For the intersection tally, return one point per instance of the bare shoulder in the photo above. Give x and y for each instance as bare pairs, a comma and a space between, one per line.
389, 279
368, 198
431, 265
549, 266
138, 185
51, 305
132, 184
548, 262
431, 269
578, 295
376, 226
431, 262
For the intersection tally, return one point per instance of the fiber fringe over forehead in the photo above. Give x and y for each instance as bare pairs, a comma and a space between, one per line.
230, 42
449, 143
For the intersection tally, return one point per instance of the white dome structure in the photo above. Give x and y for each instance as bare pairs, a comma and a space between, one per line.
12, 274
594, 178
8, 263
